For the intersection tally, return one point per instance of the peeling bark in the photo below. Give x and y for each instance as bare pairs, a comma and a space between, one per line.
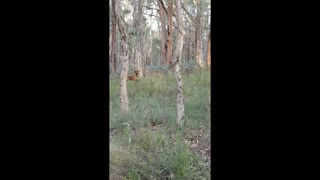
177, 71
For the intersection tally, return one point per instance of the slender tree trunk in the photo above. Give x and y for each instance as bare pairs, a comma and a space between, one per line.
176, 58
113, 44
170, 33
139, 35
148, 47
188, 47
132, 57
209, 50
163, 32
110, 36
199, 56
119, 52
111, 70
141, 62
124, 101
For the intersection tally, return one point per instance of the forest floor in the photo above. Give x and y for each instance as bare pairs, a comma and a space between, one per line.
145, 143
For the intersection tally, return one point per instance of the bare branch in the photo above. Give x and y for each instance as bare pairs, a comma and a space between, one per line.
150, 8
163, 6
154, 3
193, 3
151, 15
177, 28
188, 13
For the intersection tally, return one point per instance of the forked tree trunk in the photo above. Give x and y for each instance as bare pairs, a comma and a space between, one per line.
124, 101
177, 72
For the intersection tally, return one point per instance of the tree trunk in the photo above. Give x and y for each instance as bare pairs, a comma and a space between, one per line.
141, 63
113, 41
199, 56
111, 70
132, 57
163, 32
188, 47
209, 50
176, 58
139, 35
150, 52
110, 34
124, 101
148, 47
170, 33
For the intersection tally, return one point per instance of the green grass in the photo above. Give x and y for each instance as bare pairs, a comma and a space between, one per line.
139, 151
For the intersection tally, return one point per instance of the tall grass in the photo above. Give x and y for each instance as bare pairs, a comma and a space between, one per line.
151, 152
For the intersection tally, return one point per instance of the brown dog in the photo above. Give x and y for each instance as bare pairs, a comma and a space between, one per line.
134, 76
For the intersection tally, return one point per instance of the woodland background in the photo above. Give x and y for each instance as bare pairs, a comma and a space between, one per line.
160, 121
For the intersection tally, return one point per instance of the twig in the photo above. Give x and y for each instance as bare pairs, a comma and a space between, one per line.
164, 169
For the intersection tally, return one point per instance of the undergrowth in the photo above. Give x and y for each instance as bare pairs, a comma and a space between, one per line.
144, 143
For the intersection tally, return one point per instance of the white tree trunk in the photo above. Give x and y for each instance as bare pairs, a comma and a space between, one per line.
124, 101
177, 72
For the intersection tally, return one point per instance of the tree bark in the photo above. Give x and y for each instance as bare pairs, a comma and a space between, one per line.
209, 50
131, 54
199, 56
124, 101
110, 38
177, 72
113, 41
111, 70
189, 45
138, 35
170, 33
148, 47
163, 33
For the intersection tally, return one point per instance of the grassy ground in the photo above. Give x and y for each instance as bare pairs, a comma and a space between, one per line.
144, 144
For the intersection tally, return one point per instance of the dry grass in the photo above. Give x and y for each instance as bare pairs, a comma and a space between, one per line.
121, 159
